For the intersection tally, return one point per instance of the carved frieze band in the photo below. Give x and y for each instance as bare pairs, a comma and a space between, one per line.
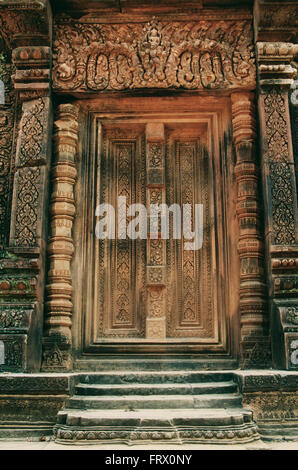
190, 55
253, 304
60, 248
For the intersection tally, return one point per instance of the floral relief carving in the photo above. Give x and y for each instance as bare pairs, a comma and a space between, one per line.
189, 55
32, 131
6, 140
282, 190
155, 155
11, 318
292, 315
27, 206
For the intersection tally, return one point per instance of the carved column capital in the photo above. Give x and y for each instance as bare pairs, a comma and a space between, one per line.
275, 20
25, 22
274, 63
243, 112
32, 75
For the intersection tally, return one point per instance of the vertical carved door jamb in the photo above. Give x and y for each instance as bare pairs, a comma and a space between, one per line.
58, 340
22, 268
280, 197
254, 339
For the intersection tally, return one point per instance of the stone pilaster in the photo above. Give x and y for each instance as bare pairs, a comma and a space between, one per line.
280, 197
156, 248
254, 341
26, 33
57, 340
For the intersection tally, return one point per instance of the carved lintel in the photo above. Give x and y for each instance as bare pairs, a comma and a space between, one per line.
60, 247
158, 54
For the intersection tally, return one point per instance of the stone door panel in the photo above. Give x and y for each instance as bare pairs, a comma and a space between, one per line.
153, 295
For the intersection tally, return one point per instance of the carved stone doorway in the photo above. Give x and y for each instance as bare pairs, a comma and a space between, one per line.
153, 296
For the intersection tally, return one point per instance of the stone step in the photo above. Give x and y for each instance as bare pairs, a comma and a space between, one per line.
154, 377
157, 389
136, 402
120, 363
181, 417
167, 425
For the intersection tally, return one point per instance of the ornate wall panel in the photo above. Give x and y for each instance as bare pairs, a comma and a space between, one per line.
7, 117
280, 194
191, 311
29, 197
158, 54
282, 180
121, 266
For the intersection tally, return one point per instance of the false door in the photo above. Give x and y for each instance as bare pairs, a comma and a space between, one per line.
151, 293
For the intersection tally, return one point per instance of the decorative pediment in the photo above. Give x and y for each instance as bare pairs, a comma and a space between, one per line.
158, 54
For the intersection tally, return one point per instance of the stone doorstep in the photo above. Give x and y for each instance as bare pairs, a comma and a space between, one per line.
147, 426
165, 417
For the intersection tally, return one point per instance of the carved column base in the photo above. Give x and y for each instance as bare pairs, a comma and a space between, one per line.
20, 314
255, 352
285, 334
56, 354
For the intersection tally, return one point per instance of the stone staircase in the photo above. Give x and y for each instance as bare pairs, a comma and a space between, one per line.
137, 407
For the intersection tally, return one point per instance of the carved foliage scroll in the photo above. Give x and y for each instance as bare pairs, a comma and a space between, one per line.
6, 139
29, 181
33, 125
27, 189
282, 184
190, 302
190, 55
121, 264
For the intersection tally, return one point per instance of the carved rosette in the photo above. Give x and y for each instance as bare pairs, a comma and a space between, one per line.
276, 77
59, 288
254, 348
